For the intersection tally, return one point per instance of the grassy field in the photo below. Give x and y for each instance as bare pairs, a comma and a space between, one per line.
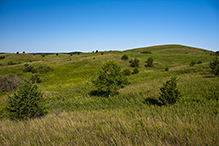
78, 116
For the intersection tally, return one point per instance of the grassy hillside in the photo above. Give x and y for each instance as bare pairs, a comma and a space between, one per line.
78, 116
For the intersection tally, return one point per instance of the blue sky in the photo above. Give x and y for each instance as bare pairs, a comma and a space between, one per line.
90, 25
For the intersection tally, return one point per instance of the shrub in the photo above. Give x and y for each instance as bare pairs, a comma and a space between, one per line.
9, 83
149, 62
135, 71
26, 102
43, 55
192, 63
124, 57
126, 72
134, 63
44, 69
11, 63
57, 54
2, 57
199, 62
167, 69
146, 52
110, 78
28, 68
169, 93
101, 53
35, 78
215, 66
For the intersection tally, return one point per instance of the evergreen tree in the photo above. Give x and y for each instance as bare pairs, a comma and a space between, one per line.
150, 62
124, 57
110, 78
134, 63
169, 92
135, 71
26, 102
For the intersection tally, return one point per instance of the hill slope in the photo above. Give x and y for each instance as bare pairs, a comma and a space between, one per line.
78, 116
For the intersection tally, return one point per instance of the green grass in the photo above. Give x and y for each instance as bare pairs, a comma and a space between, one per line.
77, 116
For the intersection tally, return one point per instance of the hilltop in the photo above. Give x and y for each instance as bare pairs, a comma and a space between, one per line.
78, 116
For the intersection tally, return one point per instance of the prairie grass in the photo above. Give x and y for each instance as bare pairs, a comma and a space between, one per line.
78, 115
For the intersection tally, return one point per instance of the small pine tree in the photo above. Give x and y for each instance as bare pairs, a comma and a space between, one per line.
169, 92
26, 102
135, 71
149, 62
167, 69
124, 57
134, 63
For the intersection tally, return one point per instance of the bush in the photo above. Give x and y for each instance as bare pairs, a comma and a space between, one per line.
135, 71
9, 83
124, 57
149, 62
146, 52
134, 63
126, 72
215, 66
169, 92
192, 63
44, 69
35, 78
2, 57
57, 54
28, 68
26, 102
167, 69
199, 62
11, 63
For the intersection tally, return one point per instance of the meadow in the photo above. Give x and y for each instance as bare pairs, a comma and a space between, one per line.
77, 115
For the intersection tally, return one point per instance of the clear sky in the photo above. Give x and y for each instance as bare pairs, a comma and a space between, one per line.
90, 25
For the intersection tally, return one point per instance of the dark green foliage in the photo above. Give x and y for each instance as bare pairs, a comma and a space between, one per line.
134, 63
167, 69
23, 52
35, 78
26, 102
41, 69
217, 53
169, 93
192, 63
57, 54
43, 55
199, 62
101, 53
135, 71
17, 52
71, 54
11, 63
124, 57
2, 57
127, 72
44, 69
149, 62
146, 52
96, 51
28, 68
78, 53
215, 66
110, 78
9, 82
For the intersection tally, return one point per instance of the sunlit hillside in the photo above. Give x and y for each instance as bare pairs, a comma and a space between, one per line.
77, 115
